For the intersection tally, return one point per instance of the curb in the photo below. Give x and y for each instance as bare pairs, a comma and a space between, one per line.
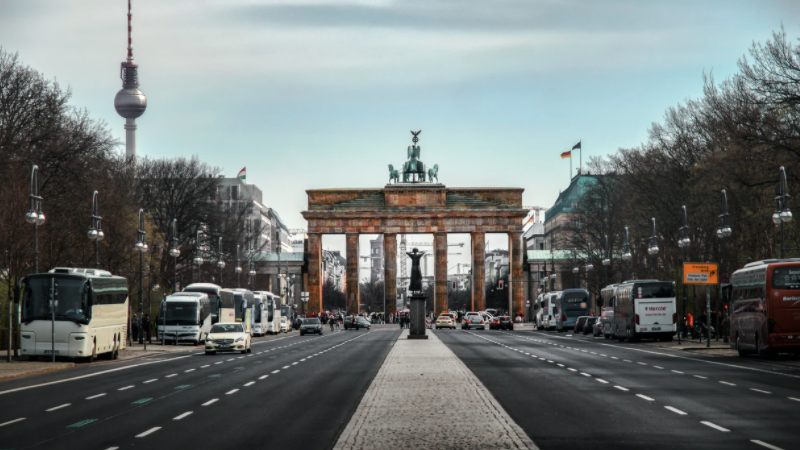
36, 372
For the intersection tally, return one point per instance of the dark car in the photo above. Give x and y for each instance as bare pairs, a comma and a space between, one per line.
311, 326
504, 323
579, 322
589, 324
360, 323
473, 321
297, 323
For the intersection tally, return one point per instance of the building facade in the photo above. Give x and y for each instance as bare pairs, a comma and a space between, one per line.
270, 232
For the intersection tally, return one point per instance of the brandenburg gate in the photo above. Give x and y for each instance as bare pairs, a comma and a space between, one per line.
415, 205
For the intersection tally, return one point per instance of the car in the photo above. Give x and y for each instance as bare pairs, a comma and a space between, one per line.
297, 323
491, 311
359, 323
284, 325
579, 324
504, 323
493, 323
589, 324
227, 337
311, 326
445, 321
473, 321
606, 321
597, 328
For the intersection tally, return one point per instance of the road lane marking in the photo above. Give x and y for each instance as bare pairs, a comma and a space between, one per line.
148, 432
622, 388
602, 354
764, 444
250, 383
112, 448
150, 381
182, 415
585, 374
276, 371
542, 359
678, 371
207, 365
627, 360
233, 391
759, 390
614, 357
601, 380
81, 423
676, 410
560, 365
125, 388
58, 407
12, 421
644, 397
304, 358
210, 402
219, 362
715, 426
230, 359
171, 375
286, 367
644, 364
795, 399
294, 363
262, 377
571, 369
549, 361
658, 367
189, 370
729, 384
141, 401
701, 377
95, 396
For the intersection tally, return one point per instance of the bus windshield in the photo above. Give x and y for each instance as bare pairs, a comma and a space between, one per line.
257, 311
72, 295
786, 278
181, 313
655, 290
240, 304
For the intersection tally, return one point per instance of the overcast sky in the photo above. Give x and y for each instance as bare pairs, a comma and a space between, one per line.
323, 93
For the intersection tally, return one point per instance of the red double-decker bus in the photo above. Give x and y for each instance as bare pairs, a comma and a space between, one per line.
765, 308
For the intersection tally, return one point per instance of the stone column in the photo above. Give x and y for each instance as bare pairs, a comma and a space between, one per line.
297, 293
515, 282
390, 272
478, 271
440, 272
314, 272
352, 273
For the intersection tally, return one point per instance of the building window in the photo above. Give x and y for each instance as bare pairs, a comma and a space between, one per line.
234, 192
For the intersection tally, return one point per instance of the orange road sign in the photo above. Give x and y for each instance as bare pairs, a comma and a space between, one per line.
700, 273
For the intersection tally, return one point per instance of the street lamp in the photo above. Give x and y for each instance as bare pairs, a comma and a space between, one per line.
238, 268
589, 267
626, 252
552, 267
782, 212
220, 262
174, 251
653, 249
575, 269
35, 216
95, 234
723, 232
252, 272
141, 247
198, 260
683, 242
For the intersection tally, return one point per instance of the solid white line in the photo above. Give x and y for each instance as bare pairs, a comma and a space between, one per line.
677, 371
232, 392
125, 388
622, 388
210, 402
729, 384
262, 377
190, 370
59, 407
150, 431
250, 383
182, 415
171, 375
701, 377
715, 426
759, 390
764, 444
150, 381
95, 396
12, 421
601, 380
676, 410
645, 397
275, 371
571, 369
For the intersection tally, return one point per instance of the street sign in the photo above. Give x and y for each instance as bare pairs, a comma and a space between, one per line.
700, 273
304, 296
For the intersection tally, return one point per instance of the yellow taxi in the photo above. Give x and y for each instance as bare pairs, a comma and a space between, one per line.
446, 320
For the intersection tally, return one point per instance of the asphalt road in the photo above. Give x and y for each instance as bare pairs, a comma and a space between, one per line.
575, 392
290, 392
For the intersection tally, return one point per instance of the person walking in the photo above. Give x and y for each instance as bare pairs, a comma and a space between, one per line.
135, 328
331, 323
147, 327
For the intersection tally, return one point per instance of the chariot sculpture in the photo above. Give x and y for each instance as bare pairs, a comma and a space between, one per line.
413, 170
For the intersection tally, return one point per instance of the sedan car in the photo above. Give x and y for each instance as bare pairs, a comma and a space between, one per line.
579, 324
227, 337
445, 321
359, 323
589, 324
597, 329
504, 323
311, 326
473, 321
284, 325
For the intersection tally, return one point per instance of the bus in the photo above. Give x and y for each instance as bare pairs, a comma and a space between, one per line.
607, 312
645, 309
547, 319
219, 299
188, 318
765, 308
271, 314
572, 303
91, 314
243, 300
286, 312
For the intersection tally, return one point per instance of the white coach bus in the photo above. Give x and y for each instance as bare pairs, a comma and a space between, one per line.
188, 318
271, 313
90, 316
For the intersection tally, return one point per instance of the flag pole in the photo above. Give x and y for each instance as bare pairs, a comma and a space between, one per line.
580, 158
570, 165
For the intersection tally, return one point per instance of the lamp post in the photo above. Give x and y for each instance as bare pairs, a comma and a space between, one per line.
626, 252
141, 246
95, 234
575, 269
723, 232
653, 249
35, 216
174, 251
198, 260
782, 212
683, 242
252, 273
589, 267
552, 267
220, 262
238, 268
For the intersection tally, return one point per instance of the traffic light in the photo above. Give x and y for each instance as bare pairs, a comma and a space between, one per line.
500, 285
454, 284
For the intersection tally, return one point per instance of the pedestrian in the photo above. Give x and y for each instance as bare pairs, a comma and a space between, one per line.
331, 322
135, 327
147, 327
338, 321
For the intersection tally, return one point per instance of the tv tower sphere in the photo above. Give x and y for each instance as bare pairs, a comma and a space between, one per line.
130, 102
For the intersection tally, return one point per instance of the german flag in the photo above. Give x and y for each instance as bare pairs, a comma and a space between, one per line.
566, 154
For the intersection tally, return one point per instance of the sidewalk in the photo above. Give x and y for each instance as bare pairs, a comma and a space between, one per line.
411, 403
18, 368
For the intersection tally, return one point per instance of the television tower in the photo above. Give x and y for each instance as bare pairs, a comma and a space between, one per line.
130, 102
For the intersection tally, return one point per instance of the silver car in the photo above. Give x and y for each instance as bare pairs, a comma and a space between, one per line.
475, 321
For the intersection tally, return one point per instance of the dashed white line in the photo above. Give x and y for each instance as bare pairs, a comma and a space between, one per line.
627, 360
571, 369
795, 399
210, 401
125, 388
614, 357
644, 364
764, 444
658, 367
601, 380
676, 410
275, 371
207, 365
729, 384
218, 362
189, 370
644, 397
150, 381
232, 391
171, 375
602, 354
182, 415
95, 396
560, 365
12, 421
585, 374
678, 371
58, 407
715, 426
286, 367
294, 363
250, 383
550, 361
148, 432
262, 377
230, 359
759, 390
622, 388
701, 377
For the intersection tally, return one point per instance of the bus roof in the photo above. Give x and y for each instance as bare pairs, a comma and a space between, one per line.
770, 261
202, 286
81, 272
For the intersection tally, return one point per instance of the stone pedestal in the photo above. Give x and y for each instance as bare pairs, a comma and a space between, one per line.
417, 317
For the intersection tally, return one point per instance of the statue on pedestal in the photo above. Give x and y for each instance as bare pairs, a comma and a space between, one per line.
416, 274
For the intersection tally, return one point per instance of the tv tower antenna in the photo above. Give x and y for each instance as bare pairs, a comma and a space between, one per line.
130, 102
